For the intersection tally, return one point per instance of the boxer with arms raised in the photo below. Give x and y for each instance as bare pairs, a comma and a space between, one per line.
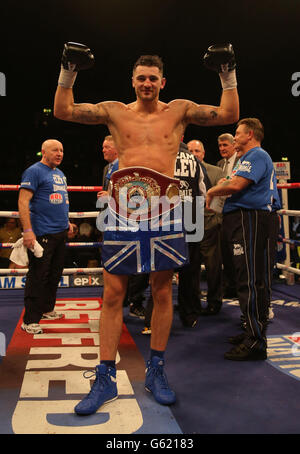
147, 133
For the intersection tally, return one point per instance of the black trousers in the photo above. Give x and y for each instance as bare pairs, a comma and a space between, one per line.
189, 305
247, 233
228, 276
137, 284
211, 256
43, 276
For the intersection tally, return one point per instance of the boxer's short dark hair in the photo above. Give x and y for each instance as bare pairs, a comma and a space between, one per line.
150, 60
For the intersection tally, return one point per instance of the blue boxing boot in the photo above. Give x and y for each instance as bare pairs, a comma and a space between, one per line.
104, 389
157, 383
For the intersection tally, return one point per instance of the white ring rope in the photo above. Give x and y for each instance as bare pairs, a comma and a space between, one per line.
289, 212
94, 214
288, 268
95, 244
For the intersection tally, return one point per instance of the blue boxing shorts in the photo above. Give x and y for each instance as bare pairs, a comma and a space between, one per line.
142, 224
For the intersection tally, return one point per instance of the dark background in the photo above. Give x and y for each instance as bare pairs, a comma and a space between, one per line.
265, 35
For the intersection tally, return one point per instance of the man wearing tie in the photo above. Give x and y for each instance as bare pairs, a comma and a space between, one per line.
228, 153
227, 164
210, 246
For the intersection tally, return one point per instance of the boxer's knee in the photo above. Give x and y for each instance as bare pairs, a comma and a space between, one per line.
161, 286
115, 287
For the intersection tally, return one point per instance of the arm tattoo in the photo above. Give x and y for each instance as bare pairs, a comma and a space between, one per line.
202, 118
86, 114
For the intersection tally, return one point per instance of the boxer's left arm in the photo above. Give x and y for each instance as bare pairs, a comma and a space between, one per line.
226, 113
220, 59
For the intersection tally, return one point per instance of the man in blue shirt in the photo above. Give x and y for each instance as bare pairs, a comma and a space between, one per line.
246, 224
44, 215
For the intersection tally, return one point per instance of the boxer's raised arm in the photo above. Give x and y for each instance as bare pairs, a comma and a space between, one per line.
76, 57
222, 60
226, 113
66, 109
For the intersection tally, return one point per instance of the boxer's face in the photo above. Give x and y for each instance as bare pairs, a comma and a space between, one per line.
147, 82
226, 148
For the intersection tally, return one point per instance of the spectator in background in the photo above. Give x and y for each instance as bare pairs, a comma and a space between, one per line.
9, 233
228, 162
72, 255
246, 227
228, 153
44, 214
89, 256
188, 170
210, 246
110, 154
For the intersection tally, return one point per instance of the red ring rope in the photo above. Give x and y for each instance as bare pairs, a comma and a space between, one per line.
15, 187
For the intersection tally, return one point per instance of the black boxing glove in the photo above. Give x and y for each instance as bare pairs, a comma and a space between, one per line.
75, 57
222, 60
78, 56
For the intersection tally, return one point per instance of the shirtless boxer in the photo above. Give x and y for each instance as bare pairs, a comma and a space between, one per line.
147, 133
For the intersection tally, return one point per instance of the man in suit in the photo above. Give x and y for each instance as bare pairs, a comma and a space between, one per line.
227, 163
110, 154
228, 153
210, 246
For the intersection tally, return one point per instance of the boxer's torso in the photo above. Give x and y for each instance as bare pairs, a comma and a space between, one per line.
147, 139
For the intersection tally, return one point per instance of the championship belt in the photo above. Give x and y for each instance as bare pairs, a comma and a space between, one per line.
142, 193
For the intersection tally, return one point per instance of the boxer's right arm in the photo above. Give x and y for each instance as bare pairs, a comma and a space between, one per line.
66, 109
76, 57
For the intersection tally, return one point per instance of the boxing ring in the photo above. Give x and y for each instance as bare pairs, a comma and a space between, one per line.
42, 375
288, 271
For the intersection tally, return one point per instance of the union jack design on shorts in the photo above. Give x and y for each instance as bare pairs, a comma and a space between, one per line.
143, 251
